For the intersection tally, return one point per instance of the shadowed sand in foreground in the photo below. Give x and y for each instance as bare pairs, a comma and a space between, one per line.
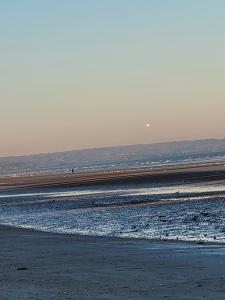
37, 265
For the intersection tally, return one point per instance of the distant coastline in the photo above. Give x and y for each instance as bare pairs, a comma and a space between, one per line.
113, 158
184, 172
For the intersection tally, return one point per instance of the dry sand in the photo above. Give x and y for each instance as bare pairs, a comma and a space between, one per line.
37, 265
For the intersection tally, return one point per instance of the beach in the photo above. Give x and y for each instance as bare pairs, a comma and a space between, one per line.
38, 265
112, 150
183, 172
184, 202
80, 242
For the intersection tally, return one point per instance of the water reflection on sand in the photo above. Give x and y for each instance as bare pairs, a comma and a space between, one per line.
154, 211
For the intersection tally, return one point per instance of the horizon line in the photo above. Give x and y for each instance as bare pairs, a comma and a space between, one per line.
110, 147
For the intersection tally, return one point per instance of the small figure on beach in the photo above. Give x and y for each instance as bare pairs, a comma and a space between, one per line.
72, 170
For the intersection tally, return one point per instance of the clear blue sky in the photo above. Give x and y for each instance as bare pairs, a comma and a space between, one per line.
88, 73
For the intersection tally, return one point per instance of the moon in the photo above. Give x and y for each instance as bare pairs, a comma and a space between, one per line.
147, 125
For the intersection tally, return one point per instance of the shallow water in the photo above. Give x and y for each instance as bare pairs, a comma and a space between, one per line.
153, 211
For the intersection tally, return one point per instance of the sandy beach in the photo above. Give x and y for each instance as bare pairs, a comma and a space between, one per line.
112, 150
184, 173
38, 265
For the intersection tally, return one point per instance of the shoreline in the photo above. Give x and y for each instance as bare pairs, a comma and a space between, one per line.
36, 264
183, 173
40, 265
113, 238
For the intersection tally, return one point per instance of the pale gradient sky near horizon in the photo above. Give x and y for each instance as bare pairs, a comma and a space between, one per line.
91, 73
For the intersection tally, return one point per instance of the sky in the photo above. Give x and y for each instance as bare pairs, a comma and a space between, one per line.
91, 73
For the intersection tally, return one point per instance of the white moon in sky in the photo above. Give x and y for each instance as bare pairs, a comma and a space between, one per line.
147, 125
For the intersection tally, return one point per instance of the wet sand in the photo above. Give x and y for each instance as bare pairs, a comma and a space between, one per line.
37, 265
182, 173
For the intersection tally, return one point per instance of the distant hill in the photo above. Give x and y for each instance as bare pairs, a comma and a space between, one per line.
113, 157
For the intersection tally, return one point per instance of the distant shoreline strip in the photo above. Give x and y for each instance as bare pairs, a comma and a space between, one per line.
190, 172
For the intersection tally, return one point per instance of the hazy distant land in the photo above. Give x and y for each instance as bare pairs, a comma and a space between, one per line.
116, 157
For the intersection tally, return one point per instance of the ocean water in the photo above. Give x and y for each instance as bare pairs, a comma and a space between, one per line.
169, 210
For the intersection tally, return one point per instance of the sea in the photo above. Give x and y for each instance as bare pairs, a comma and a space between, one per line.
168, 210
